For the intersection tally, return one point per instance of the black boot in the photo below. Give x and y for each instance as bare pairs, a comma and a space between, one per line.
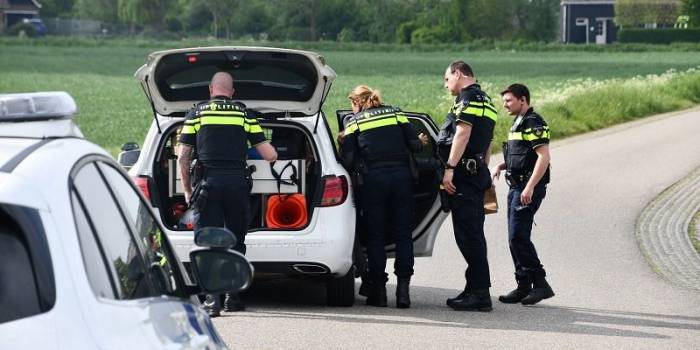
364, 287
478, 300
377, 295
233, 303
459, 296
516, 295
212, 305
403, 300
541, 290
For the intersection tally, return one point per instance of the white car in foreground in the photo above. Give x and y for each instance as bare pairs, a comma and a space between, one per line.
288, 88
83, 261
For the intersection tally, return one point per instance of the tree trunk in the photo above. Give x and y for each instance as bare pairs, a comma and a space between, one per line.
313, 23
216, 24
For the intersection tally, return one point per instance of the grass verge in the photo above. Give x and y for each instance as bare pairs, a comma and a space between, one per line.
693, 232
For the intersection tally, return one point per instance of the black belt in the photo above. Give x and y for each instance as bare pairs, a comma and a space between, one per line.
517, 179
386, 163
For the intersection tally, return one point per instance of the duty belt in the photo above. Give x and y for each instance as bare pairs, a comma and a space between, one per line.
517, 179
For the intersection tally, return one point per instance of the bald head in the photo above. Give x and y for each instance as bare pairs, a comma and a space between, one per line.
221, 85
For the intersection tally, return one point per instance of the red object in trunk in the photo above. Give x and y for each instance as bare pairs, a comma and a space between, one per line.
286, 211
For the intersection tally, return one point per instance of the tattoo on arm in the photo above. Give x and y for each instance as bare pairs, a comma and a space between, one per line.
184, 160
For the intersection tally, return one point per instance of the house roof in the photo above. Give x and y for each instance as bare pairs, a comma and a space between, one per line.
588, 2
22, 3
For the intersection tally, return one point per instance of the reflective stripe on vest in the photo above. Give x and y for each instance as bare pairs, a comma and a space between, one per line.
529, 135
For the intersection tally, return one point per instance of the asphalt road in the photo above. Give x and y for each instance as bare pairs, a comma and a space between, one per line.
608, 296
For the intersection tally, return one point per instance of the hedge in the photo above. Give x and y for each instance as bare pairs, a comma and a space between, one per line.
659, 36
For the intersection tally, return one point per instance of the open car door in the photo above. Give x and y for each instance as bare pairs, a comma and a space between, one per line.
427, 216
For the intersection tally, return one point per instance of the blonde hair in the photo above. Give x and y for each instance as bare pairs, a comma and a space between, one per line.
365, 97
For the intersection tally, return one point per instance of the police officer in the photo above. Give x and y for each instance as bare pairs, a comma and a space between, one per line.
464, 144
221, 129
527, 172
378, 143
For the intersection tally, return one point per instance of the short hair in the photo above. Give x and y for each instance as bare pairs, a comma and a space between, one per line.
462, 67
518, 90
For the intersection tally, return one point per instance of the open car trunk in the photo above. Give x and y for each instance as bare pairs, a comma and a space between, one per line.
296, 177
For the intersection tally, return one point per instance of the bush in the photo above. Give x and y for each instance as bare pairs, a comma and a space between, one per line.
27, 28
346, 35
659, 36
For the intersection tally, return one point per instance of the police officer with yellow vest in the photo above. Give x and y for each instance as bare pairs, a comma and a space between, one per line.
464, 144
221, 129
527, 172
378, 142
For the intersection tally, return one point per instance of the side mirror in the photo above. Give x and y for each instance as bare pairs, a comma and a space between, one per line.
214, 237
221, 271
129, 155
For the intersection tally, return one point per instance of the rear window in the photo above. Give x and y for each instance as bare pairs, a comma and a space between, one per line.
275, 76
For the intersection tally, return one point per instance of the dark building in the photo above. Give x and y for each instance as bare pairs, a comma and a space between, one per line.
588, 21
14, 11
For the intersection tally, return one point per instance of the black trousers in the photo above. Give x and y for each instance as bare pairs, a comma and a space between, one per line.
387, 199
467, 206
522, 250
227, 204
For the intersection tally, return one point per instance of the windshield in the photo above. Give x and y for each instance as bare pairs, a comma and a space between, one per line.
277, 76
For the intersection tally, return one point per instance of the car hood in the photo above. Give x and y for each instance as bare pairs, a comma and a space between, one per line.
265, 79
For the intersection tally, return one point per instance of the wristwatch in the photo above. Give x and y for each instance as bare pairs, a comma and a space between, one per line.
449, 167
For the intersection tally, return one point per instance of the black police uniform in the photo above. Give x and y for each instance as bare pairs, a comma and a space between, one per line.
528, 132
377, 146
471, 179
221, 130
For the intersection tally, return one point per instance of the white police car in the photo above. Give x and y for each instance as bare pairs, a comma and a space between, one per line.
83, 263
288, 87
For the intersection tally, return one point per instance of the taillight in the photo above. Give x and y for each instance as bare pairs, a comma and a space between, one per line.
143, 183
335, 191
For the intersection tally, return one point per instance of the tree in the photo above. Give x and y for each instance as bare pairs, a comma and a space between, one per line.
536, 19
149, 13
56, 8
635, 13
99, 10
691, 8
221, 12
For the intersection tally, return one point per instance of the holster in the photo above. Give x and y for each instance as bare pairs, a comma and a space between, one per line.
200, 195
517, 180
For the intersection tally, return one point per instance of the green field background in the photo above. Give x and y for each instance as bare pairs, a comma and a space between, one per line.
113, 109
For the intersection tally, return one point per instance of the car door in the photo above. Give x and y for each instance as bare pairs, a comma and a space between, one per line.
427, 216
138, 291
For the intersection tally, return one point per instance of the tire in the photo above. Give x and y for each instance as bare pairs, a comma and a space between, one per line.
341, 291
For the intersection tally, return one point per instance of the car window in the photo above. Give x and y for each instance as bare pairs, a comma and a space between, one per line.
428, 150
93, 258
18, 296
120, 249
27, 285
146, 228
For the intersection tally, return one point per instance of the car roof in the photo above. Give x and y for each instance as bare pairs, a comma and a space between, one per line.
10, 148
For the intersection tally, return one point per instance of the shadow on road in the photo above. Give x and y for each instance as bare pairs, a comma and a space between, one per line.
295, 299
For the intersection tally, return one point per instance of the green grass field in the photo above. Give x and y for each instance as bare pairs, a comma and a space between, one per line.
113, 109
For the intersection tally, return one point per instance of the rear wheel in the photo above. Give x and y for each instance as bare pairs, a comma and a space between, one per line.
341, 291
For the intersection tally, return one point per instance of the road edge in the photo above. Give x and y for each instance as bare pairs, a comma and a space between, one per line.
662, 232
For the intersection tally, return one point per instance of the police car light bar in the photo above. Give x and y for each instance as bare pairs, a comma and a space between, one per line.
36, 106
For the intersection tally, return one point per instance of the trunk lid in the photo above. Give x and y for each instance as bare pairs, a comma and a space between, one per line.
265, 79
